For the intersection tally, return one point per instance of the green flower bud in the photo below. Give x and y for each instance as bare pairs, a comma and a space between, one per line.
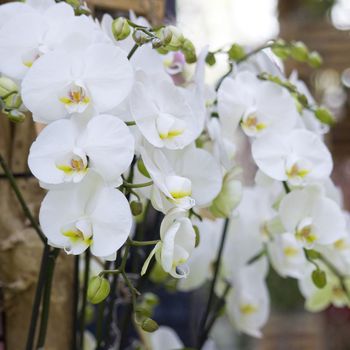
165, 35
151, 299
236, 52
136, 208
228, 198
198, 237
319, 278
98, 289
177, 38
324, 116
120, 28
280, 49
299, 51
140, 37
315, 60
210, 59
156, 43
14, 101
142, 169
189, 51
16, 116
149, 325
7, 86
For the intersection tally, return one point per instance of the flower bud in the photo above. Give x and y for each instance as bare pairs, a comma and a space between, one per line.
98, 289
299, 51
324, 116
189, 51
198, 237
210, 59
142, 168
151, 299
156, 43
165, 34
13, 101
16, 116
236, 52
177, 38
136, 208
149, 325
140, 37
228, 198
120, 28
7, 86
319, 278
315, 60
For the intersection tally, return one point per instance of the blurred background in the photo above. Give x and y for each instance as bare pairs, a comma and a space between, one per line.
324, 26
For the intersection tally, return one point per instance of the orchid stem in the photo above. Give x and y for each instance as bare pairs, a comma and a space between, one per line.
203, 336
21, 199
75, 301
37, 298
140, 185
84, 300
46, 297
132, 51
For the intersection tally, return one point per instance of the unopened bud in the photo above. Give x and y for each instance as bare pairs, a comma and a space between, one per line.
156, 43
149, 325
189, 51
299, 51
142, 168
177, 38
165, 35
120, 28
14, 101
140, 37
228, 198
210, 59
151, 299
315, 60
7, 86
136, 208
98, 289
324, 116
198, 237
236, 52
16, 116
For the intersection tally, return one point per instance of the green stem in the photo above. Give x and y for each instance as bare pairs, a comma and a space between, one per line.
132, 51
46, 298
21, 199
286, 187
131, 123
37, 298
130, 185
143, 243
257, 257
202, 338
75, 302
220, 304
84, 299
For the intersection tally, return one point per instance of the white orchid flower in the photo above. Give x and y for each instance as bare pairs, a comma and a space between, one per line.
182, 178
203, 256
65, 152
177, 243
318, 299
257, 105
297, 157
287, 255
248, 303
165, 338
163, 112
30, 34
312, 218
86, 215
75, 78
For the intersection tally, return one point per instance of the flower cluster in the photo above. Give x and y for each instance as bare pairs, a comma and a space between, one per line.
131, 123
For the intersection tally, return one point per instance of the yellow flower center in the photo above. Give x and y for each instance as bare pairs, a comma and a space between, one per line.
248, 309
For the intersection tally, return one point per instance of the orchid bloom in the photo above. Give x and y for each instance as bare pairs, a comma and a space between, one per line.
182, 178
312, 218
87, 215
177, 243
96, 77
297, 157
256, 105
65, 152
163, 112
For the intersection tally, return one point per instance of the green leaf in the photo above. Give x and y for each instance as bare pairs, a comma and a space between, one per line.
312, 254
236, 52
319, 278
198, 238
142, 168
